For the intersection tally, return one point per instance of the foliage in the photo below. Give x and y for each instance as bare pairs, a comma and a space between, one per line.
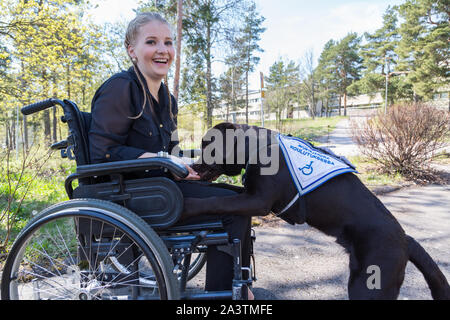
25, 186
207, 25
247, 44
51, 52
339, 67
414, 42
403, 140
282, 88
424, 49
379, 57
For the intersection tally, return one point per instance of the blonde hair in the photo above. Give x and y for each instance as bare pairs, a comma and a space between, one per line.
131, 34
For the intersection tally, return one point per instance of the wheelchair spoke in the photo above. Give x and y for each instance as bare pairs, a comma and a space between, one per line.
46, 280
98, 248
79, 255
62, 250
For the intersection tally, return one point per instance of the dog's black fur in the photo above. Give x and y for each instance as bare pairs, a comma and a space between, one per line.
343, 207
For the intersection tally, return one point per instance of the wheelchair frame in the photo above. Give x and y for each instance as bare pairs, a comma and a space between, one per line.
111, 182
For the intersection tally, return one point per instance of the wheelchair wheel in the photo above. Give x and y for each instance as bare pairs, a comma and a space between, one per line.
88, 249
198, 260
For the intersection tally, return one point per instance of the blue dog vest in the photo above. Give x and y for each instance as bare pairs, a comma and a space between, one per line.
311, 166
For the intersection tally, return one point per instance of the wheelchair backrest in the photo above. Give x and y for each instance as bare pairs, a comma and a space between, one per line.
79, 123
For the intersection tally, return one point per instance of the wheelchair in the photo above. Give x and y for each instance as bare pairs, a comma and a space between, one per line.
118, 236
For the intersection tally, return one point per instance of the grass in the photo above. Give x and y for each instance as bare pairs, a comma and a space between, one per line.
443, 158
307, 129
191, 129
372, 178
39, 191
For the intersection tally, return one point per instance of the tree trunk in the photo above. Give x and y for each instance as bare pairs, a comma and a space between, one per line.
55, 121
313, 97
246, 82
25, 126
68, 81
25, 132
176, 81
246, 97
12, 136
83, 94
7, 137
208, 78
345, 104
47, 125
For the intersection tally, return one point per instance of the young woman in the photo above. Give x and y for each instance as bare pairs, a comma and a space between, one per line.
134, 116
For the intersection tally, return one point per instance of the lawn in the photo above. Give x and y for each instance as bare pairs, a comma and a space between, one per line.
308, 129
27, 192
191, 129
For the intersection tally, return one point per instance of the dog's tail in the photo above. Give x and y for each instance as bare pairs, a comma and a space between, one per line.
440, 289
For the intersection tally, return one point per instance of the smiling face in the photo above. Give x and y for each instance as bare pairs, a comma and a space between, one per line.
153, 49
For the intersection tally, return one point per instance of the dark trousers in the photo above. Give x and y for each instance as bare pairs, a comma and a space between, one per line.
219, 267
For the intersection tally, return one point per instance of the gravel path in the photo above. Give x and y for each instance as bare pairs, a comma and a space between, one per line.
301, 263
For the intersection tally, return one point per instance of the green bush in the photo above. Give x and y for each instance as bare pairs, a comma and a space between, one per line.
28, 183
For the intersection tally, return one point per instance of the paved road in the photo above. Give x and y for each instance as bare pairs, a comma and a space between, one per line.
340, 139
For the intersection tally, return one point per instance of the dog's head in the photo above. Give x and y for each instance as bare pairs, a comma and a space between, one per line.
220, 152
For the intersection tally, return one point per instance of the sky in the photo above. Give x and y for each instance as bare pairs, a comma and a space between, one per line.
293, 27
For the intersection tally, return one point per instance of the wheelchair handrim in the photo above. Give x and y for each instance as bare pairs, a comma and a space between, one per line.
85, 212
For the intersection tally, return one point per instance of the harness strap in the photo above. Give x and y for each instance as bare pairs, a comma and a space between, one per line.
290, 204
296, 197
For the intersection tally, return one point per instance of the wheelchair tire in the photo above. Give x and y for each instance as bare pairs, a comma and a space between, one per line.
196, 264
88, 249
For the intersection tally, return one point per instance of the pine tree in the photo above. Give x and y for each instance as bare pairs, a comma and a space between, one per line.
206, 23
51, 54
379, 58
347, 63
251, 34
326, 75
424, 46
282, 85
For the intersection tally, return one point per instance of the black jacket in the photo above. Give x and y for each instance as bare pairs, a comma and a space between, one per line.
113, 136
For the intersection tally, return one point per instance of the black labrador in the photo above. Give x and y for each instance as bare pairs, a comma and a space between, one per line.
342, 207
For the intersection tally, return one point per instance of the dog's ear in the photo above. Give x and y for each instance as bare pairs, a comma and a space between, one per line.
225, 125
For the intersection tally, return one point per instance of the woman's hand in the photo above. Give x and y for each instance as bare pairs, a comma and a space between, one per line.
182, 161
192, 174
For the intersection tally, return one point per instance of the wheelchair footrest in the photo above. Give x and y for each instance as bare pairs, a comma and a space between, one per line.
209, 239
208, 295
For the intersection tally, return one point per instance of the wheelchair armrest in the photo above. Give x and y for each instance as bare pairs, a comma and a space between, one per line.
99, 169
